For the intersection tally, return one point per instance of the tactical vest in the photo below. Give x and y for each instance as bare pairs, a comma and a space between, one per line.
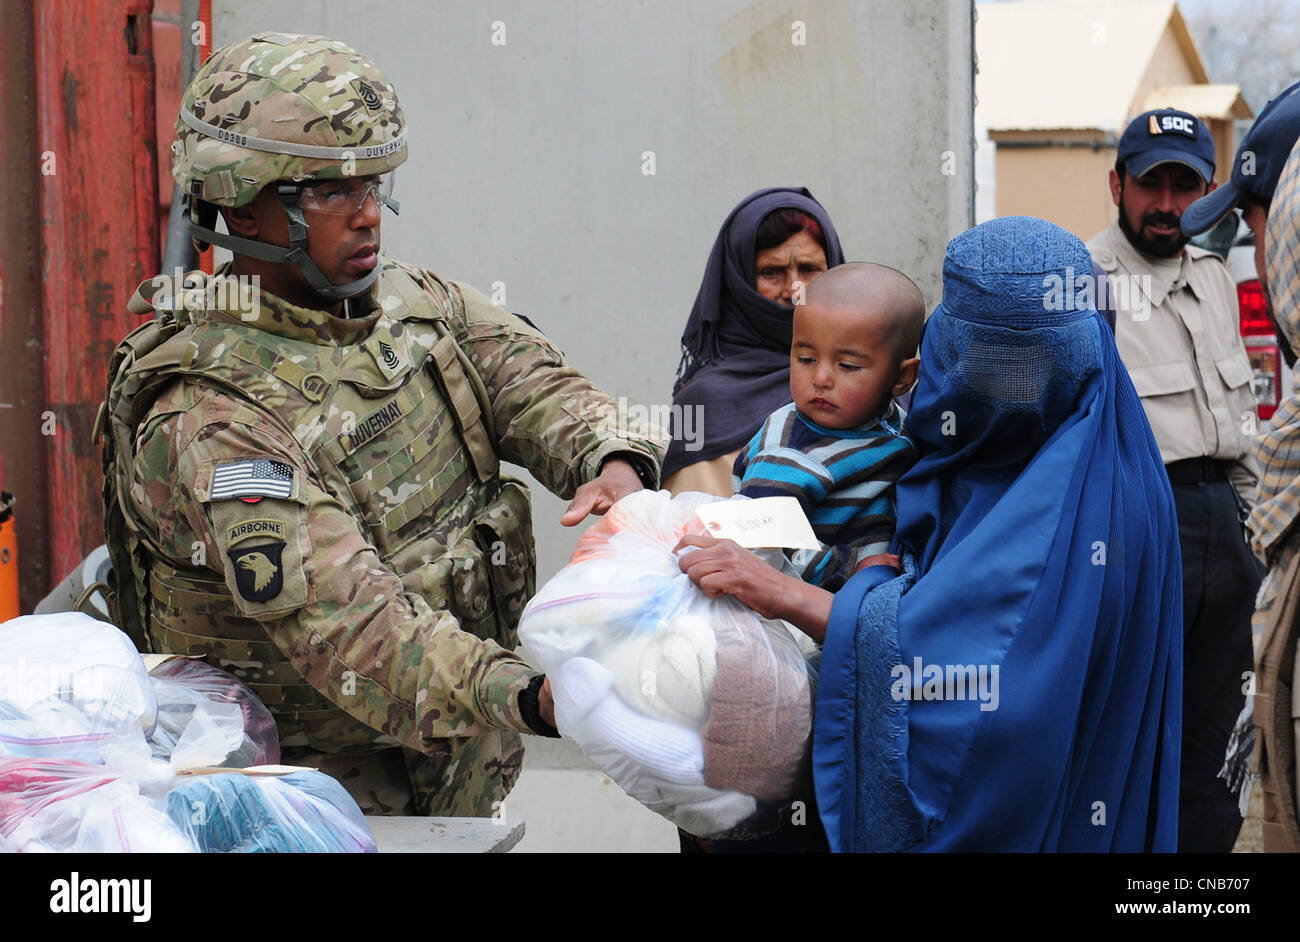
413, 459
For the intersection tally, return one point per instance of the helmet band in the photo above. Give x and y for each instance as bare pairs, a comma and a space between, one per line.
318, 151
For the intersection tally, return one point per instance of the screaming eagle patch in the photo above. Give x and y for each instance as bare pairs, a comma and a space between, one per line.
259, 571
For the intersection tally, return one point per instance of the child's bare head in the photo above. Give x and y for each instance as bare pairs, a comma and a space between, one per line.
855, 340
877, 293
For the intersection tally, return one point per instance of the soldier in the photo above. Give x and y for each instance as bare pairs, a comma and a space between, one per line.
303, 481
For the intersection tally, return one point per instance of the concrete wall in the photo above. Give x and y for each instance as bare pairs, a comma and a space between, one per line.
526, 158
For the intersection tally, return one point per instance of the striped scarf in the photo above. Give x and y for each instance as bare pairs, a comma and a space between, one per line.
1278, 448
1278, 452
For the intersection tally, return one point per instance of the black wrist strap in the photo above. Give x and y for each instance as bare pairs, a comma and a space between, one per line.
644, 468
531, 710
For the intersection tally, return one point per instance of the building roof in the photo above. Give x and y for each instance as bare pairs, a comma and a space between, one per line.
1204, 101
1070, 63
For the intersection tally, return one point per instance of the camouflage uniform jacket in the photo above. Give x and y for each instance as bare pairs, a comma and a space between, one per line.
314, 509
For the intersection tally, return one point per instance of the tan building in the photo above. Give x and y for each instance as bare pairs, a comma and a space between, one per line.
1059, 81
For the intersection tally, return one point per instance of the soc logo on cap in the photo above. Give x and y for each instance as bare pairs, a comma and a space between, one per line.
1172, 124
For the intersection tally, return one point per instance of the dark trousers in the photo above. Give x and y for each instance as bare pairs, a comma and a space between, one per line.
802, 836
1220, 579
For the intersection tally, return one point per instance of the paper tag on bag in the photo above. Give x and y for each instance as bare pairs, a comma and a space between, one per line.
251, 770
152, 661
760, 523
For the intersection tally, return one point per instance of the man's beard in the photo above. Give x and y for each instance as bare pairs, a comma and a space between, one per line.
1156, 248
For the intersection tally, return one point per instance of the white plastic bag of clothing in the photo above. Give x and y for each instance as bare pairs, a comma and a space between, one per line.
300, 812
697, 707
72, 686
207, 717
61, 805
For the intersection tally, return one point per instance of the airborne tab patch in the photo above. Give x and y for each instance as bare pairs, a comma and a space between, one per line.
250, 528
257, 477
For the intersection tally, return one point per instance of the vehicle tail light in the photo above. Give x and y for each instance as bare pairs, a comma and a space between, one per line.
1267, 381
1253, 307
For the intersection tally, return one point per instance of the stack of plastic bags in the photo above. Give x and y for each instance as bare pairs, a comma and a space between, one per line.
99, 754
202, 709
71, 687
66, 805
697, 707
302, 812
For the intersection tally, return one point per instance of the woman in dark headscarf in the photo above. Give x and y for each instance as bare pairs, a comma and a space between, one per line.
1019, 685
735, 366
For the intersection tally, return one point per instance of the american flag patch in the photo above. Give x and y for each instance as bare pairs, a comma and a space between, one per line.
259, 477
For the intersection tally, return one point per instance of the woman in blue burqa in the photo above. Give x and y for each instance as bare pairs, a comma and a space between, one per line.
1018, 686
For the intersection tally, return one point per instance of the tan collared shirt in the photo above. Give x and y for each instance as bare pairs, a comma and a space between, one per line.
1176, 327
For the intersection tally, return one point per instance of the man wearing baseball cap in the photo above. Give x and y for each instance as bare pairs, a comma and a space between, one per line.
1176, 330
1255, 172
1265, 184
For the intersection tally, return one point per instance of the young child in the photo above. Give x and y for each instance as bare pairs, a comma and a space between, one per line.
839, 447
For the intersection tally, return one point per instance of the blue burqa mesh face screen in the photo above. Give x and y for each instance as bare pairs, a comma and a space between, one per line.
1018, 687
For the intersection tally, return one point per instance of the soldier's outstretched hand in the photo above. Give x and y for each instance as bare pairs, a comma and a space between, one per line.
616, 480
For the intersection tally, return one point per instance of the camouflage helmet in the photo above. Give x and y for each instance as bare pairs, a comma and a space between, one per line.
287, 110
279, 106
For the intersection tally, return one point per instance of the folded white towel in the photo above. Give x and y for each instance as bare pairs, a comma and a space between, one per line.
669, 672
588, 710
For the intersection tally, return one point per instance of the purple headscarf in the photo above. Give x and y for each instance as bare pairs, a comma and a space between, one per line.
736, 347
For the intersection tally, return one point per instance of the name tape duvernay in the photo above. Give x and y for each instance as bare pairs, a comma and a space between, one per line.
760, 523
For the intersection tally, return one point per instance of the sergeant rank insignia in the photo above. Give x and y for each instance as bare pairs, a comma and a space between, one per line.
369, 97
258, 573
380, 347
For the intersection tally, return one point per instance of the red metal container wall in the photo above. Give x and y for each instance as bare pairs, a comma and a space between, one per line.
22, 324
88, 99
99, 234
